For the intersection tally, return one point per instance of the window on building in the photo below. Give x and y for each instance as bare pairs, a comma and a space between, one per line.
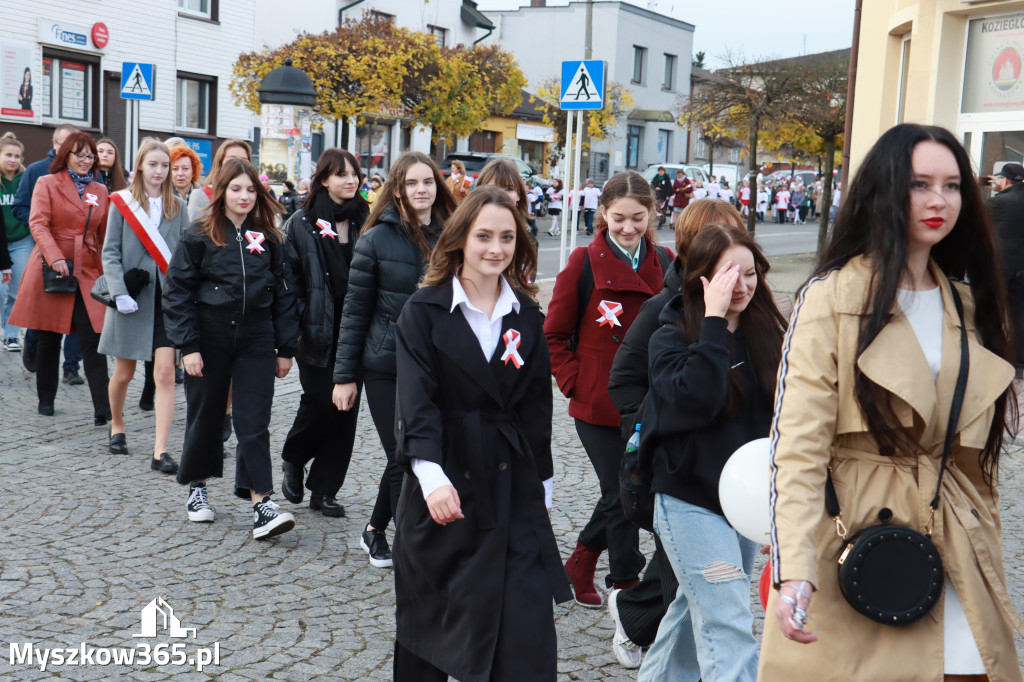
376, 14
68, 90
206, 9
373, 147
194, 96
669, 81
904, 73
664, 145
633, 146
639, 56
440, 34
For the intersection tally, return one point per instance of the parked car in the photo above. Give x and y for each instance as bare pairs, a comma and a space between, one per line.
475, 161
692, 172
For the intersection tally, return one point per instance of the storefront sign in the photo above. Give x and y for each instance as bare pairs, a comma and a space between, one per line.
73, 36
992, 72
529, 131
18, 97
99, 34
203, 149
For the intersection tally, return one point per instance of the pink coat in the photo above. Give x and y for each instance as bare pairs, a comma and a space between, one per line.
57, 220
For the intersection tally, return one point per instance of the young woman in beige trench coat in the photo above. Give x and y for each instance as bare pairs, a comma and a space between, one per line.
865, 385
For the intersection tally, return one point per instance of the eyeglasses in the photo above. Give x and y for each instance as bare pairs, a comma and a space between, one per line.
84, 156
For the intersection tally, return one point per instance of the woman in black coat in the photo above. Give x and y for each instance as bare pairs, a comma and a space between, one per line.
476, 563
318, 248
389, 261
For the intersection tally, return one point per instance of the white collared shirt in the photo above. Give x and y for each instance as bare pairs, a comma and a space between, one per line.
156, 212
487, 331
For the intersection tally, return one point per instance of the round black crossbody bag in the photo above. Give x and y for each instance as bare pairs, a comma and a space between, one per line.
893, 574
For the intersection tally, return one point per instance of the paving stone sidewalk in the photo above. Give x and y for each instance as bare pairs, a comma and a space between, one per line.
92, 538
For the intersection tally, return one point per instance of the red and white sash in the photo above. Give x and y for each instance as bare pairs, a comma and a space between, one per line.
137, 219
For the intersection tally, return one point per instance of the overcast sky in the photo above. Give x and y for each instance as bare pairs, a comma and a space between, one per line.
755, 28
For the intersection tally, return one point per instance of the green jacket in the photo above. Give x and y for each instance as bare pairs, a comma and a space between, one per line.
16, 230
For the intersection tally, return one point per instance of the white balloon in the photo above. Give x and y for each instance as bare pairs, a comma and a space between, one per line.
743, 491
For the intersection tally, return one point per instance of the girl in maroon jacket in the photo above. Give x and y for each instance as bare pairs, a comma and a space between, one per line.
625, 269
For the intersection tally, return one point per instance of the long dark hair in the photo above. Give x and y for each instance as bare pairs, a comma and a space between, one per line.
448, 257
393, 194
874, 221
332, 162
117, 180
215, 221
762, 323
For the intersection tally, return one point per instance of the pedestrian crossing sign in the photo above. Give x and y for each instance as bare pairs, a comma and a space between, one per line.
582, 85
136, 81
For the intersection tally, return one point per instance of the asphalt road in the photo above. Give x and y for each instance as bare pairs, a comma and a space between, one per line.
775, 240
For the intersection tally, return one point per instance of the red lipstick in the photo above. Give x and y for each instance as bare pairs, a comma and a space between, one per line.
935, 222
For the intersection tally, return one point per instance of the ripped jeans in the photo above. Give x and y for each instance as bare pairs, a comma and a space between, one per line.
707, 632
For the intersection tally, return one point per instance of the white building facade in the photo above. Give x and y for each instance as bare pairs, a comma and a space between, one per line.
73, 55
644, 51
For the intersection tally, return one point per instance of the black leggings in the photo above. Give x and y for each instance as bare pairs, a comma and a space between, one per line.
381, 391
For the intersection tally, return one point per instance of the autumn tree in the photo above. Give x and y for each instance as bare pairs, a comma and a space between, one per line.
600, 124
372, 64
743, 97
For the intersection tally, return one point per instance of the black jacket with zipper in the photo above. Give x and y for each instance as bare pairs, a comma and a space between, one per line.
235, 283
386, 269
628, 382
310, 278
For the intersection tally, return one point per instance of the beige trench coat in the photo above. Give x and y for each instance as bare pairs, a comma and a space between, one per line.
819, 425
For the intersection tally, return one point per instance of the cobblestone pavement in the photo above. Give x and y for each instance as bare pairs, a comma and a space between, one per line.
92, 538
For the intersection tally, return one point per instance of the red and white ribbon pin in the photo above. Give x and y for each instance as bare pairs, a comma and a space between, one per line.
255, 239
92, 199
512, 341
610, 311
325, 228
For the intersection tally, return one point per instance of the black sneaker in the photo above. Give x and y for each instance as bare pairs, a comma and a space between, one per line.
375, 543
73, 378
199, 509
268, 520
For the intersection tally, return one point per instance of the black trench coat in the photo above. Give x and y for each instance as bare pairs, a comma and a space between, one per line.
488, 424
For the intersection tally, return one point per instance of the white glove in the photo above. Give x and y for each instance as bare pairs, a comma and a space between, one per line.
126, 304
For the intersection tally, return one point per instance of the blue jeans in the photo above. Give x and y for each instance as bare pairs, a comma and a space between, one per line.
20, 251
588, 218
707, 632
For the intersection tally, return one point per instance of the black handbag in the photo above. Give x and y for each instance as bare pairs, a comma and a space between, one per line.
893, 574
56, 283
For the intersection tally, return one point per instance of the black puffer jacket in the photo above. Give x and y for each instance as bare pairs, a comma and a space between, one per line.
386, 269
309, 276
234, 283
628, 381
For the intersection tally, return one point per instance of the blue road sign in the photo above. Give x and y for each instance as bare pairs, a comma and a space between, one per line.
136, 81
582, 85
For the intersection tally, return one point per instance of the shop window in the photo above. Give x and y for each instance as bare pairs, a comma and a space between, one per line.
633, 146
205, 9
373, 147
440, 34
669, 80
194, 104
68, 90
532, 152
1001, 147
664, 145
639, 57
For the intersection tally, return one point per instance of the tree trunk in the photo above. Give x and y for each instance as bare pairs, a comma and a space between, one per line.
752, 176
826, 192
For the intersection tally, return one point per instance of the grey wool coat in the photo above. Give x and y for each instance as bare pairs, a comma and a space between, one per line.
131, 336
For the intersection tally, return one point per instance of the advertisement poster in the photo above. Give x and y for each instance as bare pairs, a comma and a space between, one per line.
992, 72
19, 92
285, 142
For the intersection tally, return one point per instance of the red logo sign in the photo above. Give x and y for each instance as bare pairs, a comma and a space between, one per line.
100, 35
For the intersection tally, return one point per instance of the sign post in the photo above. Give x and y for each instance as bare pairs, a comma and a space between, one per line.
137, 84
582, 90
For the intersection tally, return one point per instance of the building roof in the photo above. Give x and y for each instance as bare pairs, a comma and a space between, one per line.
623, 6
474, 17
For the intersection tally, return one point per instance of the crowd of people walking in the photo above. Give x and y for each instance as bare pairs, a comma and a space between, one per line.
422, 294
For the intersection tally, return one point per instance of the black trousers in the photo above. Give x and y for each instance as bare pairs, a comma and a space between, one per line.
321, 432
408, 667
1015, 289
608, 527
48, 356
381, 391
642, 607
241, 357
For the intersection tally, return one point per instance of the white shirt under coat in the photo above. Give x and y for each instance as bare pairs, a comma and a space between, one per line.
487, 331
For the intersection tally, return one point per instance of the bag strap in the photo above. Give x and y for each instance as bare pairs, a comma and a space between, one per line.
832, 501
584, 289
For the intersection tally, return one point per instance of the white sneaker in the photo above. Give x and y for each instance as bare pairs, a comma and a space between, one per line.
199, 509
627, 653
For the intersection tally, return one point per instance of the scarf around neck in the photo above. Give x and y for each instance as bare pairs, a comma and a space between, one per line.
81, 181
324, 207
